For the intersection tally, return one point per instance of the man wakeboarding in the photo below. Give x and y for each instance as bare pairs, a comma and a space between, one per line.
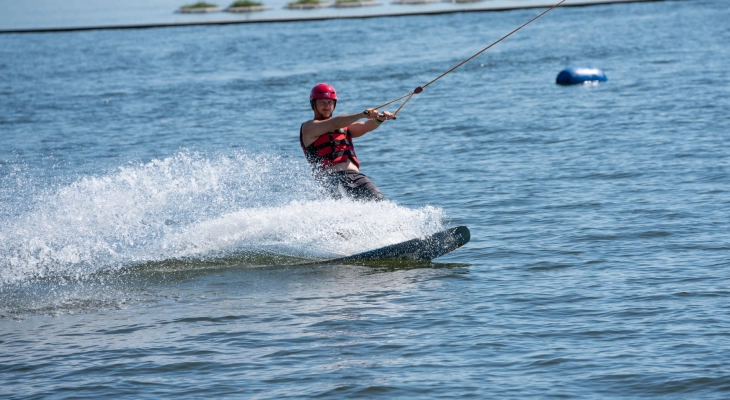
327, 144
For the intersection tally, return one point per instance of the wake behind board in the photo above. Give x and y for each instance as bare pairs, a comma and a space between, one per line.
422, 249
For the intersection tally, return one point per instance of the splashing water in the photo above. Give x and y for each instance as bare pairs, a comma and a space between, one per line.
190, 206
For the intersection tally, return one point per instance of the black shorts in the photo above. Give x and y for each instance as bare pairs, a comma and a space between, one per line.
351, 184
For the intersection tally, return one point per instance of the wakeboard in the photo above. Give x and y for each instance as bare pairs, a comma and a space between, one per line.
420, 249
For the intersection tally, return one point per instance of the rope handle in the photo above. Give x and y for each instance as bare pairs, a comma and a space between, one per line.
381, 115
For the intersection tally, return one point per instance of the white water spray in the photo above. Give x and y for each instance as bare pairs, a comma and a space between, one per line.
191, 206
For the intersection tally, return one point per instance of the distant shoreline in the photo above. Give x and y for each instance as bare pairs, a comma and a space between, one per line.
316, 18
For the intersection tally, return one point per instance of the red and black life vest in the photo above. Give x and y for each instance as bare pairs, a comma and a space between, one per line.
330, 148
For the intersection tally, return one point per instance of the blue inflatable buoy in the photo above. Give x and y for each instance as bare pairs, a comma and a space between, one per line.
573, 75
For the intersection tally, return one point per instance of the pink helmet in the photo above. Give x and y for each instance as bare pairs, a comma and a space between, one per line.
323, 91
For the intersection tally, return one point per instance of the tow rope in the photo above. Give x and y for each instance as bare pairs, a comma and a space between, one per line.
420, 88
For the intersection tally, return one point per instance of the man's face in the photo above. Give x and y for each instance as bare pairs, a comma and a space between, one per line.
325, 107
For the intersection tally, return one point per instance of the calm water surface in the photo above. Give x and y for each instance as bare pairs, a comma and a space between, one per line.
154, 201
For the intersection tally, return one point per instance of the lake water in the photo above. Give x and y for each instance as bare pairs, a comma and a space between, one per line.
154, 202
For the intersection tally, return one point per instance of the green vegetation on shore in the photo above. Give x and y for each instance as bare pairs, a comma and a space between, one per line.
245, 3
306, 2
200, 4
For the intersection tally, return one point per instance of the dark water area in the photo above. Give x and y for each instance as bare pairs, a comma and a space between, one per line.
154, 203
